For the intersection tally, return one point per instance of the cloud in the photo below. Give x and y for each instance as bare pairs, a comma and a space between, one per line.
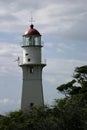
57, 72
8, 105
9, 54
63, 67
6, 101
77, 30
66, 19
63, 25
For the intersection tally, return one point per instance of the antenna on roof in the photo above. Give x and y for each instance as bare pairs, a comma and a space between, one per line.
31, 20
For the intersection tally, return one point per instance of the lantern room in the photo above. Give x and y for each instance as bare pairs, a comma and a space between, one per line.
32, 37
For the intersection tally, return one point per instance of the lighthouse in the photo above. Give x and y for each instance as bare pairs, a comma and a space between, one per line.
32, 66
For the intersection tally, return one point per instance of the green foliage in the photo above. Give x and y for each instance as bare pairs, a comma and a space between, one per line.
66, 88
68, 113
80, 77
74, 106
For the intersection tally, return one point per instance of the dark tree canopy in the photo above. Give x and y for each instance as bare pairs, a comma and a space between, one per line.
74, 105
68, 113
77, 85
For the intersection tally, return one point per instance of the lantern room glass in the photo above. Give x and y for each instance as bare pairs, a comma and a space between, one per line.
32, 40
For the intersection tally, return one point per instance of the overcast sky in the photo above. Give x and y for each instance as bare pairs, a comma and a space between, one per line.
63, 26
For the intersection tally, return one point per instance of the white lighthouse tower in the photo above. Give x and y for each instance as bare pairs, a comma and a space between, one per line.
32, 91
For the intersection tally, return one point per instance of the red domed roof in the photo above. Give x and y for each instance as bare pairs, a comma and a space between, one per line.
32, 31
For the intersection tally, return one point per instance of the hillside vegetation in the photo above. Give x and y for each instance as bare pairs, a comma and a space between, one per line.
68, 113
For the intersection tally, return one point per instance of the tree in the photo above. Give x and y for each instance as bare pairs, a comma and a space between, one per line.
79, 77
74, 105
68, 113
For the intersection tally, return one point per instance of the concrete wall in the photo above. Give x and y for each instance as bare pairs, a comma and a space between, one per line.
32, 91
32, 54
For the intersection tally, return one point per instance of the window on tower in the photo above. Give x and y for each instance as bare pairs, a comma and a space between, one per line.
26, 54
31, 70
28, 60
31, 104
30, 40
37, 40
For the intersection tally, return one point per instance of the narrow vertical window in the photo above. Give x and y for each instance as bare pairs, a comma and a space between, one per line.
31, 70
